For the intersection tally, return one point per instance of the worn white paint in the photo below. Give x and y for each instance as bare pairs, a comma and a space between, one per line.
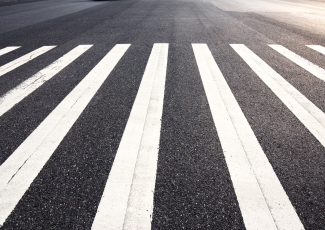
8, 49
14, 96
127, 201
21, 168
262, 200
309, 115
317, 48
302, 62
24, 59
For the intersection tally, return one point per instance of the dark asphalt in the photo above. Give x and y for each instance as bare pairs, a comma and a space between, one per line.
193, 186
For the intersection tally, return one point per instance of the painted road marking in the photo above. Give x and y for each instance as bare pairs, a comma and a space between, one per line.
14, 96
8, 49
21, 168
302, 62
24, 59
127, 201
318, 48
311, 116
262, 200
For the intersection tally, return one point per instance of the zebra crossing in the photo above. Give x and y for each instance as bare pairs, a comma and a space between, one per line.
307, 65
311, 116
24, 59
246, 161
8, 49
128, 195
127, 200
21, 91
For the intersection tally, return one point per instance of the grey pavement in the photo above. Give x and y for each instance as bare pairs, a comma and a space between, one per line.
193, 187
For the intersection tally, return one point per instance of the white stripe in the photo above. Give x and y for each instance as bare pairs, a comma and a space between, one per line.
318, 48
140, 203
14, 96
24, 59
22, 167
311, 116
262, 200
8, 49
121, 206
302, 62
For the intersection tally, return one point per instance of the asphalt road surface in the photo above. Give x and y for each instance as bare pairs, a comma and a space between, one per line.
162, 114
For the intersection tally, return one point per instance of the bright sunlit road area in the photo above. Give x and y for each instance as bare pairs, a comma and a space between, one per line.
162, 114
